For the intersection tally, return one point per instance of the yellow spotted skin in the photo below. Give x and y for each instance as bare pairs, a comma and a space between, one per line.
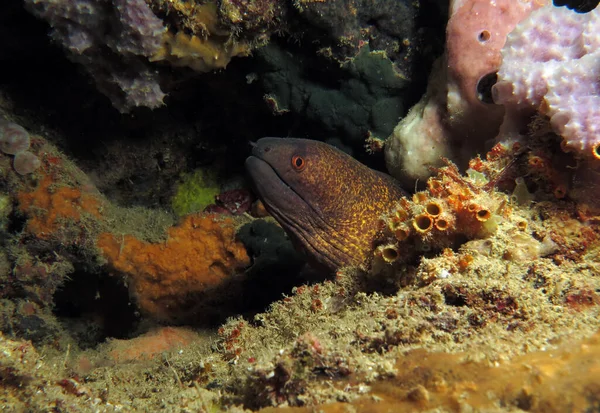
328, 202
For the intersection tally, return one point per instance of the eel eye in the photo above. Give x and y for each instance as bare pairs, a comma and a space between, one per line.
298, 163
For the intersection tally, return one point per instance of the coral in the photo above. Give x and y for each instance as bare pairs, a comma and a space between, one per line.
456, 116
340, 28
199, 254
15, 140
140, 28
421, 138
66, 219
203, 38
370, 98
476, 33
452, 209
112, 41
253, 17
61, 214
196, 191
550, 64
201, 55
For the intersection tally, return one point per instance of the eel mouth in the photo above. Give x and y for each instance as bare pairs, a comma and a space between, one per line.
273, 190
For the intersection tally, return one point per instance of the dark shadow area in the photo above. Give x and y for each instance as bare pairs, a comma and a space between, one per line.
580, 6
94, 307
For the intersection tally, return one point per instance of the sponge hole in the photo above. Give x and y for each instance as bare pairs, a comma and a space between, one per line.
484, 36
484, 87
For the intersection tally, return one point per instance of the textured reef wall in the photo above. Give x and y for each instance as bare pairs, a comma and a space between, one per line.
362, 60
139, 273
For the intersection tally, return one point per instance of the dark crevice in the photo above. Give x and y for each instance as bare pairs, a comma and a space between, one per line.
94, 307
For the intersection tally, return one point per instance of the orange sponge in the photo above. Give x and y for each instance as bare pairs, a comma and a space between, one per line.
50, 204
198, 254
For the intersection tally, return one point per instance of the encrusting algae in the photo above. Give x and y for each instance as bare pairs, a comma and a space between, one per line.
51, 203
209, 47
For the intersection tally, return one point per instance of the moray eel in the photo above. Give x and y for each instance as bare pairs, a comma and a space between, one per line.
327, 201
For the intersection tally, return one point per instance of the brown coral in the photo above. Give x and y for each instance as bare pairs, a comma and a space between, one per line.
200, 253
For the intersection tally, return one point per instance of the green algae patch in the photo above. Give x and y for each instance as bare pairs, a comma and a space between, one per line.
196, 191
5, 209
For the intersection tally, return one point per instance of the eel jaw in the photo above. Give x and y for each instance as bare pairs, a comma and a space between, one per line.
289, 209
272, 190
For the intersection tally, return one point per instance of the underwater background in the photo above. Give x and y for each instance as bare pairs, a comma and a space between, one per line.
155, 255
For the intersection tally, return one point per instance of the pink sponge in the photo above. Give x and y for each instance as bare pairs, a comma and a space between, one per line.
551, 63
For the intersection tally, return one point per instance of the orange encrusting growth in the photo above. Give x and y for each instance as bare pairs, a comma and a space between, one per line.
151, 344
198, 254
46, 206
451, 210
